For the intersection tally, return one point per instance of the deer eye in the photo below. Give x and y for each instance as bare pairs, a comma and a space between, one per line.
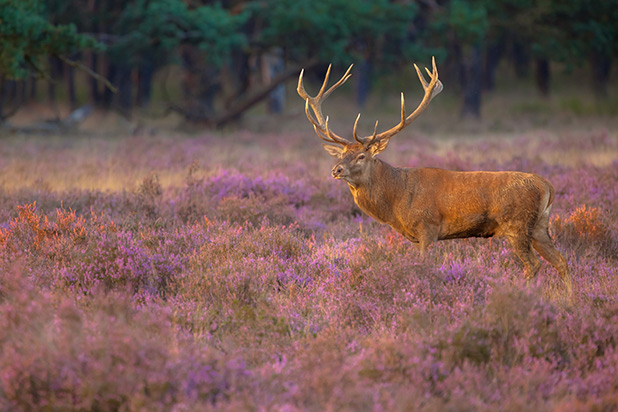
360, 156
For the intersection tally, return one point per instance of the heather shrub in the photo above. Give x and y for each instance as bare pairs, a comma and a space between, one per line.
253, 282
102, 354
255, 210
513, 326
70, 251
149, 196
587, 230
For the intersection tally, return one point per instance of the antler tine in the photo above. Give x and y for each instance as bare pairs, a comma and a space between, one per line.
343, 79
421, 77
300, 88
354, 130
325, 134
320, 124
375, 132
324, 83
369, 141
432, 88
403, 108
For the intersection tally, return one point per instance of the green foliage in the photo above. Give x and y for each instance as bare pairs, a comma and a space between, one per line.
562, 31
152, 31
468, 20
467, 23
334, 30
27, 37
585, 27
217, 32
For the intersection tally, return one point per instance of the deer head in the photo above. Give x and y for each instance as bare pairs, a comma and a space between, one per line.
356, 158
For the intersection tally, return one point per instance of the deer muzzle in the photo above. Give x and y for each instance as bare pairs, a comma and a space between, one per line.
337, 171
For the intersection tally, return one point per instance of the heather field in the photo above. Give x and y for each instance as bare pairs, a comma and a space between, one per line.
229, 271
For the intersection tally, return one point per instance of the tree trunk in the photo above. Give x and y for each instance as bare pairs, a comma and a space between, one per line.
601, 69
23, 91
70, 81
124, 100
33, 88
493, 55
108, 95
200, 84
96, 98
235, 79
3, 98
272, 66
55, 72
145, 75
521, 58
363, 82
542, 76
9, 103
93, 84
471, 80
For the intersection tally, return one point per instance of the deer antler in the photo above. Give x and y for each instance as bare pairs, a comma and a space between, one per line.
319, 122
431, 90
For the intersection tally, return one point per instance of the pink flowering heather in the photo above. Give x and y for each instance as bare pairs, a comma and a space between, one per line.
216, 276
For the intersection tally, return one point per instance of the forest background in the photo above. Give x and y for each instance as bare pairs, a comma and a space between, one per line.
211, 61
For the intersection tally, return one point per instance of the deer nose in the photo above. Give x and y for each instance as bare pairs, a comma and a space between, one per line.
337, 170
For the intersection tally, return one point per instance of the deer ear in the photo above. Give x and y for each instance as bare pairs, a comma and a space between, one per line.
334, 151
378, 147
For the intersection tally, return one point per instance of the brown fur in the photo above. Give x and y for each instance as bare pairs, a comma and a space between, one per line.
427, 204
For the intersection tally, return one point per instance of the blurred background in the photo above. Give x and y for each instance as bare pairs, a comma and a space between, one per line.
217, 63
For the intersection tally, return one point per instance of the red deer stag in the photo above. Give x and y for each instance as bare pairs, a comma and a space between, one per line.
428, 204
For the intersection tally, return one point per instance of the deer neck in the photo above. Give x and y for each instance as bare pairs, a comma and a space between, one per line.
377, 192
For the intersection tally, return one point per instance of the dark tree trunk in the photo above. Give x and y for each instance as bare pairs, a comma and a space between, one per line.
70, 80
120, 76
145, 75
273, 66
493, 55
124, 100
93, 84
601, 69
9, 101
23, 91
3, 98
51, 92
543, 76
55, 69
235, 79
33, 89
470, 61
108, 95
200, 84
521, 58
363, 82
96, 97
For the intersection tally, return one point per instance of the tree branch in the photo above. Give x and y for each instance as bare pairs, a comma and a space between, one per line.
88, 71
240, 106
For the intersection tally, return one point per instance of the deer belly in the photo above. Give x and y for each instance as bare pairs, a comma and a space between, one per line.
469, 226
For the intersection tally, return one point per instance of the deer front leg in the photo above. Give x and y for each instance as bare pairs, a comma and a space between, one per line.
424, 235
522, 247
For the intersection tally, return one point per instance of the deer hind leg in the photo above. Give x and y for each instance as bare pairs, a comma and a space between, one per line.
541, 241
522, 247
